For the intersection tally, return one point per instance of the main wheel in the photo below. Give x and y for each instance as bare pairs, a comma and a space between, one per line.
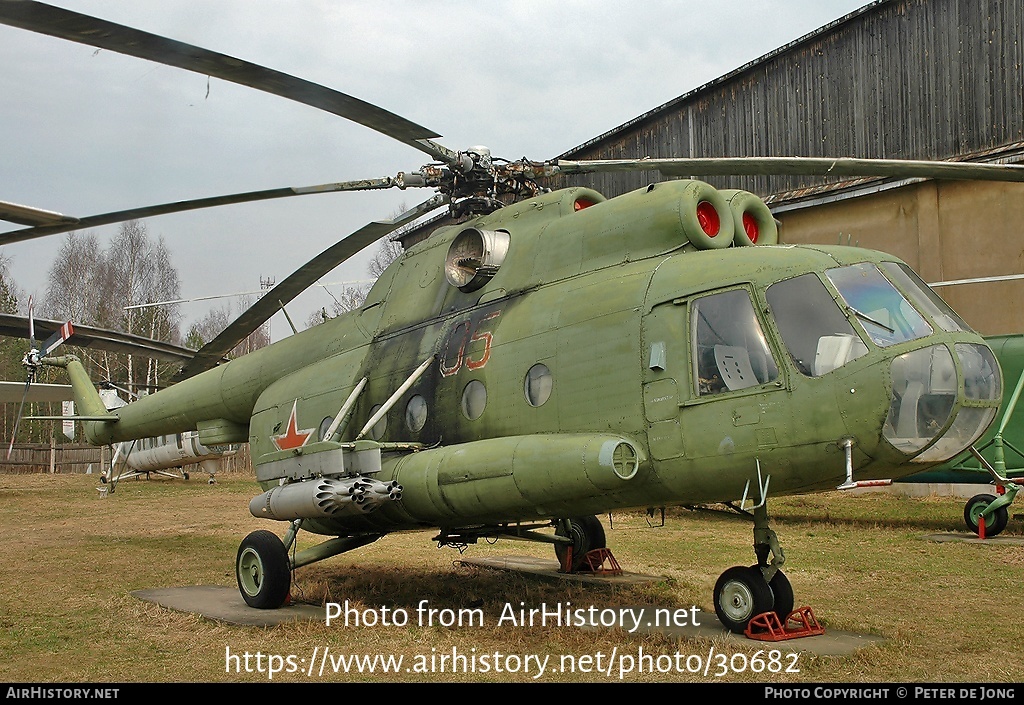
262, 570
586, 533
741, 594
976, 506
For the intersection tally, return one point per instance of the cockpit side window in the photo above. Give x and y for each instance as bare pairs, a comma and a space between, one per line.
730, 348
817, 335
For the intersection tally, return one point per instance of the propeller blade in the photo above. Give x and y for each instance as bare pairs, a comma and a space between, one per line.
84, 29
799, 166
213, 352
194, 204
101, 339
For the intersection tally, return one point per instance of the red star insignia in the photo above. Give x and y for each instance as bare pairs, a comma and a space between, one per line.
292, 437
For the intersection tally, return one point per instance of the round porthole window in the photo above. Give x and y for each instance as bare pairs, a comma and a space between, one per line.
538, 384
325, 425
416, 413
474, 399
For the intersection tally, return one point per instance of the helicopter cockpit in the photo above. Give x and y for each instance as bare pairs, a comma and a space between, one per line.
930, 418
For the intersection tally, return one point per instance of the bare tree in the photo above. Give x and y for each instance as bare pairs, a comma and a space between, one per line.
208, 327
388, 250
93, 286
72, 290
259, 338
352, 297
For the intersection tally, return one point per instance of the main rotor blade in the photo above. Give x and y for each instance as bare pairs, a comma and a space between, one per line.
213, 352
84, 29
11, 392
86, 336
27, 215
800, 166
93, 221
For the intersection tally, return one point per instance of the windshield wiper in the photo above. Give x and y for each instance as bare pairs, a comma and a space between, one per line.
869, 319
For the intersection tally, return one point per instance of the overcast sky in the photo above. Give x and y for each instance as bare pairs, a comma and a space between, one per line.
87, 131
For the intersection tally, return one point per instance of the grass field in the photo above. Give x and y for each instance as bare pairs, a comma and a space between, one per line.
70, 560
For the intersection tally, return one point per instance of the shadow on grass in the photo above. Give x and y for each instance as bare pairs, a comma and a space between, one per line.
855, 517
462, 587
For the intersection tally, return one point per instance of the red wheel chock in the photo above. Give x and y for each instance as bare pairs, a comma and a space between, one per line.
593, 563
800, 622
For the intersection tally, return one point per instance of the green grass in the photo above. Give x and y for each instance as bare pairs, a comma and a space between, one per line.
71, 559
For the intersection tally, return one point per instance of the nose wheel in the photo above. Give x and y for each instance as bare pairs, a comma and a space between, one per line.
976, 507
743, 592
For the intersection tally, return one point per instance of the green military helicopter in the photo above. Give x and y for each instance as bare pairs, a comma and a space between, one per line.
555, 355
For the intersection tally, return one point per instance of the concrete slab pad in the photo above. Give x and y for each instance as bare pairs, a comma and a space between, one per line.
225, 604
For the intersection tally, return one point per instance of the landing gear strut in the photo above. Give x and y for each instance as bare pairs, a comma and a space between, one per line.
741, 593
263, 566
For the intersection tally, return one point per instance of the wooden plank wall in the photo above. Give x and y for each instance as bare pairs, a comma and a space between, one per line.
923, 79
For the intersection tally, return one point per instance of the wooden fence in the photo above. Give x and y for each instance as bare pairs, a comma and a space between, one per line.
78, 458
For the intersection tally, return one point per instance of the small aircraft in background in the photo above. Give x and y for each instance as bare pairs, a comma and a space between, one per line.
159, 455
997, 458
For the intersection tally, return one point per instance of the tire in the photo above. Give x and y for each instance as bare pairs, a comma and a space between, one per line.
750, 211
741, 594
976, 506
587, 534
782, 591
262, 570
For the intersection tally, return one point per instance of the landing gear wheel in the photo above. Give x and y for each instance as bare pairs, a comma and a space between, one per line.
586, 533
976, 506
184, 475
782, 591
741, 594
262, 570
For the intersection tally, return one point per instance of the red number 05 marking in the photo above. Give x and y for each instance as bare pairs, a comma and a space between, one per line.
464, 334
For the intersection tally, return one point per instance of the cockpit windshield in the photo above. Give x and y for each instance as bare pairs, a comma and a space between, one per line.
816, 333
883, 311
924, 298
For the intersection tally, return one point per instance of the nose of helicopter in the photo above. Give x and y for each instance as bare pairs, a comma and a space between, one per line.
942, 400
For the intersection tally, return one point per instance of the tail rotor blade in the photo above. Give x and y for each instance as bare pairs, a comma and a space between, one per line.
54, 341
17, 419
31, 325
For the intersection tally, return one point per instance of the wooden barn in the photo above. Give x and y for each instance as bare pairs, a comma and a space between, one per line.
903, 79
